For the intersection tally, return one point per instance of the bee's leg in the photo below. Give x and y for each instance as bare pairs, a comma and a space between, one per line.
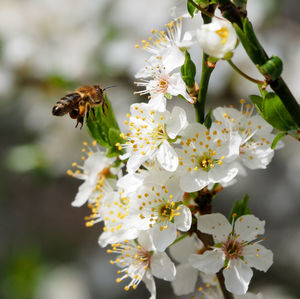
81, 112
88, 108
80, 119
93, 111
104, 104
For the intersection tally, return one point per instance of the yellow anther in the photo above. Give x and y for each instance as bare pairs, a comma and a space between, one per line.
223, 33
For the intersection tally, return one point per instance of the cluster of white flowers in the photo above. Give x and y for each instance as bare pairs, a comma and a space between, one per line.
144, 201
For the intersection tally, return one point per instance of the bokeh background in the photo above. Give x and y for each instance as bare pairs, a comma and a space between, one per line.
50, 47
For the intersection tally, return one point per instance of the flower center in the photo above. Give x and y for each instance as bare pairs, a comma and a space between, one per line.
163, 84
206, 161
168, 211
158, 133
223, 33
232, 249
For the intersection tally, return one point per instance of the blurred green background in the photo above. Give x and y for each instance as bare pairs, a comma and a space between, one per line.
51, 47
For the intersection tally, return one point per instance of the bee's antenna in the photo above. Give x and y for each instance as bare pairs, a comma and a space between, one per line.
109, 87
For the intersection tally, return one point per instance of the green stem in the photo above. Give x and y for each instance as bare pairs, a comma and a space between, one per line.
245, 75
180, 238
287, 98
205, 12
258, 56
205, 76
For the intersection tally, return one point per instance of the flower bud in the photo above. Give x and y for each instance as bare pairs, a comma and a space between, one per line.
217, 38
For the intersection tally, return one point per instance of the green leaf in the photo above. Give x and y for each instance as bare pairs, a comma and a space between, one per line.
191, 9
114, 138
208, 120
202, 3
277, 138
275, 113
98, 126
250, 42
188, 70
240, 208
257, 101
258, 55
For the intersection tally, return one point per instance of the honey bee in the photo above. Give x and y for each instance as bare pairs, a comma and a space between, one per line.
79, 103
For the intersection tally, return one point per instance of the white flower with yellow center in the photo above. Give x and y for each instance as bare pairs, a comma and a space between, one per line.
255, 148
206, 157
166, 45
159, 209
163, 83
234, 250
140, 261
151, 136
95, 171
217, 38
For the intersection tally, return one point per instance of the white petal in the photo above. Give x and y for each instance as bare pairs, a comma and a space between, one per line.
117, 236
178, 87
210, 262
177, 122
184, 220
172, 58
135, 161
194, 127
96, 162
150, 284
181, 250
83, 194
257, 157
130, 182
248, 227
258, 257
189, 38
167, 157
194, 181
237, 277
163, 238
185, 280
162, 267
158, 102
145, 240
223, 174
216, 225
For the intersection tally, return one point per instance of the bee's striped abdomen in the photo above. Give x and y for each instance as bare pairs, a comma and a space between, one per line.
66, 104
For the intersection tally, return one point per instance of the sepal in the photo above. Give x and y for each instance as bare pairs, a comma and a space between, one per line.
188, 71
240, 208
104, 128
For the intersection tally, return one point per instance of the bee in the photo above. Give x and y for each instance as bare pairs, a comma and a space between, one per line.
79, 103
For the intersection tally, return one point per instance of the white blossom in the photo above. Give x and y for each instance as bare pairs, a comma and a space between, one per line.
234, 250
140, 261
163, 82
94, 171
205, 157
255, 149
151, 136
167, 46
217, 38
157, 208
